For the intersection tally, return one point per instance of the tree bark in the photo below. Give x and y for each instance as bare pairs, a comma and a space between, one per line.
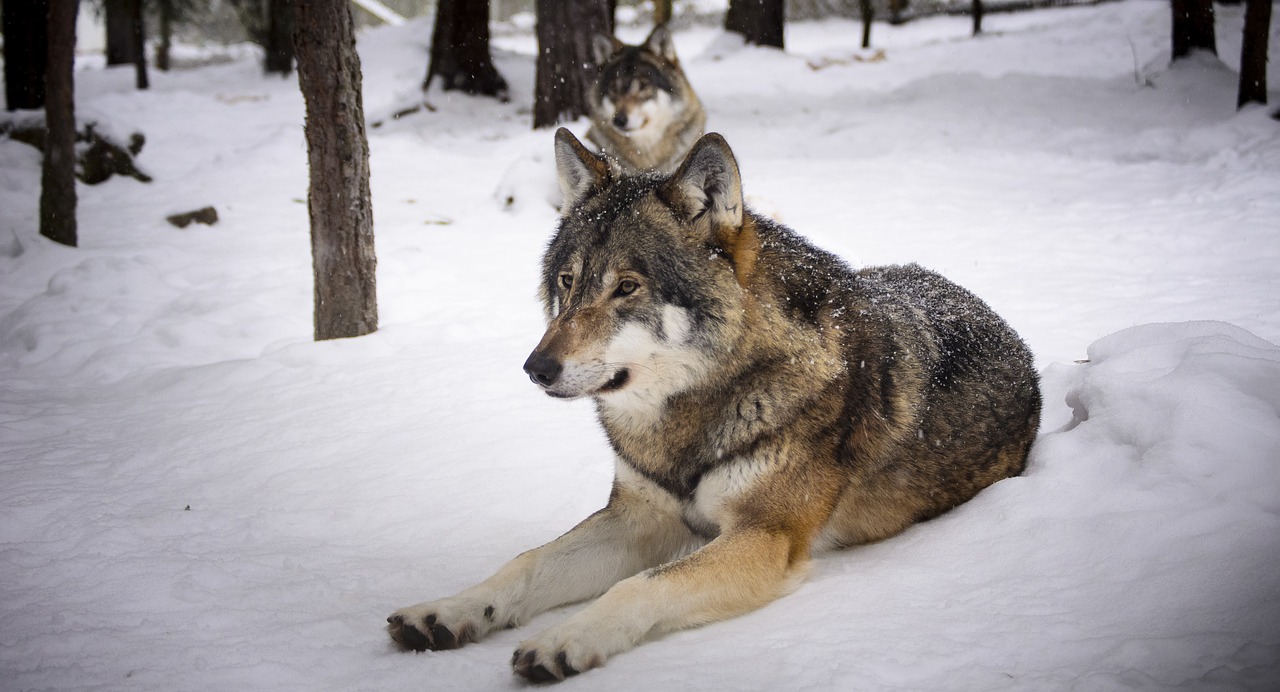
26, 52
138, 34
566, 64
119, 24
661, 12
278, 37
759, 21
165, 11
338, 202
58, 174
1253, 53
868, 14
977, 17
1193, 27
460, 50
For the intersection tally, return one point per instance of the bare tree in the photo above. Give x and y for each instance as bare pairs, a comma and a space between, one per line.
127, 38
342, 253
277, 37
58, 175
566, 64
759, 21
138, 34
661, 12
165, 11
460, 50
977, 17
1253, 53
26, 52
868, 14
1193, 27
119, 27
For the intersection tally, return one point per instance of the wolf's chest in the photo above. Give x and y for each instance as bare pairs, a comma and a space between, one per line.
722, 495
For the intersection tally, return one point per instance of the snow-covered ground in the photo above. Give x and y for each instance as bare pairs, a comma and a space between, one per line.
195, 496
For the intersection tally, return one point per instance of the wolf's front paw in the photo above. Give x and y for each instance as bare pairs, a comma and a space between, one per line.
552, 658
440, 625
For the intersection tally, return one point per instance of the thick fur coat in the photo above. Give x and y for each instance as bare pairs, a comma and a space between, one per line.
763, 399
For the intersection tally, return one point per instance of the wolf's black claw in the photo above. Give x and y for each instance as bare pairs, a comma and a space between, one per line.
443, 638
539, 673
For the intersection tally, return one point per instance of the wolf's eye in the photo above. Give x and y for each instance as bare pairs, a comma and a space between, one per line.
626, 287
566, 281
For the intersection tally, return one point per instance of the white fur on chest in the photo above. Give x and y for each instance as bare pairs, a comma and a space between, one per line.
719, 491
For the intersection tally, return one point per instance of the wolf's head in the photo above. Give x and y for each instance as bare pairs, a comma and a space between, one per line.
643, 281
639, 87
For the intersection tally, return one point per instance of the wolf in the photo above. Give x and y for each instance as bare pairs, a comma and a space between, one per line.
764, 401
643, 111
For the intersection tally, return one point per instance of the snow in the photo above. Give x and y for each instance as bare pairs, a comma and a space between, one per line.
197, 496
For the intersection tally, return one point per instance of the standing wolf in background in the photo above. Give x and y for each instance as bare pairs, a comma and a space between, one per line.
763, 399
643, 111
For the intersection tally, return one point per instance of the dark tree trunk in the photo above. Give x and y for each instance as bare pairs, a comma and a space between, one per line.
1253, 53
661, 11
58, 175
759, 21
165, 12
278, 37
342, 254
460, 50
119, 21
868, 14
977, 17
139, 35
566, 63
26, 52
1193, 27
896, 9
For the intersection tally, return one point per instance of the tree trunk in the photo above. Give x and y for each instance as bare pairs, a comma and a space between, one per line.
342, 253
896, 10
661, 12
26, 52
139, 36
460, 50
165, 10
566, 64
119, 22
1193, 27
58, 175
868, 14
759, 21
977, 17
1253, 53
278, 37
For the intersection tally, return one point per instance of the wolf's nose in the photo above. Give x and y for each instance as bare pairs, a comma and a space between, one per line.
619, 120
542, 369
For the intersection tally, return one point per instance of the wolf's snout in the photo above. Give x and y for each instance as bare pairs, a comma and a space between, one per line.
543, 369
620, 120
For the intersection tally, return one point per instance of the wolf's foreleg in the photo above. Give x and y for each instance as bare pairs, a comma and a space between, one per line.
636, 530
736, 573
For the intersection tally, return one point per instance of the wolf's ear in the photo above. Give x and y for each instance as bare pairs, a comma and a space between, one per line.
707, 188
659, 43
577, 169
603, 47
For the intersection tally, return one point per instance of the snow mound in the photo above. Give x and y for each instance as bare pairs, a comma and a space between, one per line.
1194, 405
1157, 507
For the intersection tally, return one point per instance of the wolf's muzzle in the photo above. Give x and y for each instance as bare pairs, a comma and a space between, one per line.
543, 369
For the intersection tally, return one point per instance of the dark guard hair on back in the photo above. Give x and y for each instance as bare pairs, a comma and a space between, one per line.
916, 338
